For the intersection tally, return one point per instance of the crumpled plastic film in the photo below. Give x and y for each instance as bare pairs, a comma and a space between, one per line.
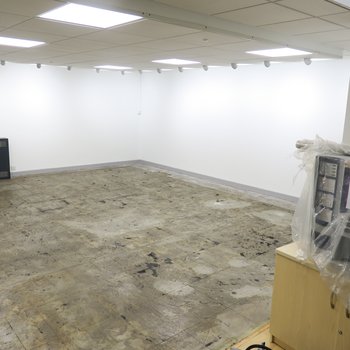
330, 247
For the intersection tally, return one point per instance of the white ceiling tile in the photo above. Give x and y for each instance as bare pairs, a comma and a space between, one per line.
116, 38
212, 6
138, 43
36, 53
48, 38
51, 27
345, 45
28, 7
303, 26
313, 7
325, 37
153, 29
8, 20
342, 19
116, 52
19, 60
69, 59
262, 15
247, 46
196, 52
208, 39
166, 44
76, 45
7, 49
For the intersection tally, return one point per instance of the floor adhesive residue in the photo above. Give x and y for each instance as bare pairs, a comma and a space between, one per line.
136, 259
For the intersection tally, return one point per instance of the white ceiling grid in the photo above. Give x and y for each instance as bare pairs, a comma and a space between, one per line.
138, 44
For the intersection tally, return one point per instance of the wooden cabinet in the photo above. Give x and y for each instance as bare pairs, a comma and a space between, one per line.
302, 317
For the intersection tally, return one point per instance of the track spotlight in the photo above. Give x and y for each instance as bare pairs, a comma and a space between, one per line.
267, 64
205, 67
97, 70
69, 67
2, 62
180, 69
307, 61
123, 72
159, 70
38, 65
234, 65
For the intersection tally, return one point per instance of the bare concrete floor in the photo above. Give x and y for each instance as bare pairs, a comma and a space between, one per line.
129, 258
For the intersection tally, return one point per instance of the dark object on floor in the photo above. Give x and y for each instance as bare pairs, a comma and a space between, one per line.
258, 346
4, 159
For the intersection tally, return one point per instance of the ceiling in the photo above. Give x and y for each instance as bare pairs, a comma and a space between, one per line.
212, 32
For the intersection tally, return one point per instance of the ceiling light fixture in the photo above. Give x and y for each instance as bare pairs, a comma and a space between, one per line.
159, 70
38, 65
108, 67
307, 61
97, 70
69, 67
342, 3
19, 42
2, 62
234, 65
175, 61
89, 16
267, 64
205, 67
281, 52
180, 69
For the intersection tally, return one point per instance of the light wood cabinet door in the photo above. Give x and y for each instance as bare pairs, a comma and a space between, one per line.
302, 317
343, 331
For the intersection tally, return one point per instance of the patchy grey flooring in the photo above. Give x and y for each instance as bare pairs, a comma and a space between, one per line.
129, 258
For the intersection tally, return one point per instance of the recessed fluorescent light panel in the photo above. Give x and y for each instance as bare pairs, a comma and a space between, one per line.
89, 16
176, 61
113, 67
342, 3
282, 52
19, 42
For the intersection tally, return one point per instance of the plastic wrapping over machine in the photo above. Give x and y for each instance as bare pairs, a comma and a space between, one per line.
321, 222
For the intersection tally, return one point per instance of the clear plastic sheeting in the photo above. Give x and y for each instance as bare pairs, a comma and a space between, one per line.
321, 222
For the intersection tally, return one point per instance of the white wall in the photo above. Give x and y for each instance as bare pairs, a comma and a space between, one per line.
237, 125
58, 118
346, 134
242, 125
